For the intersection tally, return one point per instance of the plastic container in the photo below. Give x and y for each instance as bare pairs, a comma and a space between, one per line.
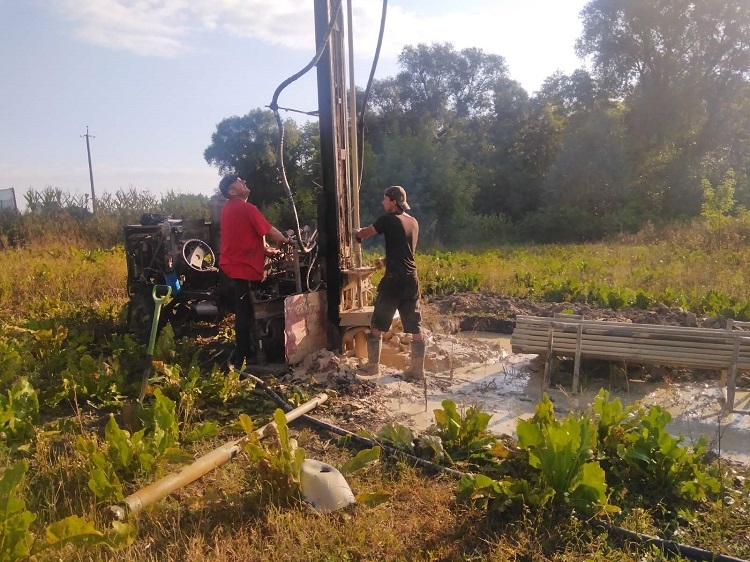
170, 278
324, 487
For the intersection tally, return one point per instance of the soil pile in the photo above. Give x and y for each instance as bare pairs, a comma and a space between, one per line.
490, 312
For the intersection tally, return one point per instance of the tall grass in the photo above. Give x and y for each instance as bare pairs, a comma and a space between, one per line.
224, 517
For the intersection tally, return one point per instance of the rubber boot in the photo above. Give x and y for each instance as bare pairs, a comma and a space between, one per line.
415, 370
374, 345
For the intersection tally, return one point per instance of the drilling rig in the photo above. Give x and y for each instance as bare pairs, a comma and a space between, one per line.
295, 316
347, 281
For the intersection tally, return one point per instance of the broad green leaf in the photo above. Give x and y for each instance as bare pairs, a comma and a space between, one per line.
398, 435
15, 537
73, 530
432, 443
104, 482
166, 430
120, 535
363, 459
201, 431
373, 499
120, 447
280, 418
177, 456
247, 423
592, 486
529, 434
147, 462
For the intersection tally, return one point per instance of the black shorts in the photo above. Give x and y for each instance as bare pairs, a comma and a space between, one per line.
397, 293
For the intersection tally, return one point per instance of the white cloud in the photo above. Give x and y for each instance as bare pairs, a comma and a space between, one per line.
535, 36
167, 28
143, 28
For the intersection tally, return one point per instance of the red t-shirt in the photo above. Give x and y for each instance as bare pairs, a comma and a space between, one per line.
242, 250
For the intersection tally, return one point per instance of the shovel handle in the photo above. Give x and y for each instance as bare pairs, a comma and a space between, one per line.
160, 293
158, 301
165, 289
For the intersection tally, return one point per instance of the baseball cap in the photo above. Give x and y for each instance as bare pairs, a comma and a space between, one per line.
225, 182
397, 194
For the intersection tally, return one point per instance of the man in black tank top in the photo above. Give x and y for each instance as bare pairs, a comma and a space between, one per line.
399, 288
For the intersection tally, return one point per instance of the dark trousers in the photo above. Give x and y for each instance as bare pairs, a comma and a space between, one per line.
245, 329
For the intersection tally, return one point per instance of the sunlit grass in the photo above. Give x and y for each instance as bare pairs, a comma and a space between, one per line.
50, 275
225, 517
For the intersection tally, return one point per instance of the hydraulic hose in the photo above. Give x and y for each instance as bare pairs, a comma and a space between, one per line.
274, 106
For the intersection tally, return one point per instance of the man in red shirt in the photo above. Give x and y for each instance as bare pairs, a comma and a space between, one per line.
241, 259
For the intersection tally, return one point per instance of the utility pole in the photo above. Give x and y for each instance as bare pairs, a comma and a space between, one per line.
91, 173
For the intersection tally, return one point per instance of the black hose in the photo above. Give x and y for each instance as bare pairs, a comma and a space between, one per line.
691, 552
274, 106
368, 89
358, 439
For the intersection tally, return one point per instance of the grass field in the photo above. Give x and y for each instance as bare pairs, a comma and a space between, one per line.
66, 364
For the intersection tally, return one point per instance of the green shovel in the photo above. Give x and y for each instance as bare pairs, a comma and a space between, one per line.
158, 302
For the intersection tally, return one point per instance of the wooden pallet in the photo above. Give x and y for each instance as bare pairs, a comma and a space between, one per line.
572, 336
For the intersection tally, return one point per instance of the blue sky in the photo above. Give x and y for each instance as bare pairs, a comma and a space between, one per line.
152, 78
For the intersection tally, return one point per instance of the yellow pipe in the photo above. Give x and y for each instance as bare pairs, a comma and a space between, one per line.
152, 493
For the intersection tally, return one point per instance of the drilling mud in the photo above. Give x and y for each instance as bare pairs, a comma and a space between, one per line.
476, 368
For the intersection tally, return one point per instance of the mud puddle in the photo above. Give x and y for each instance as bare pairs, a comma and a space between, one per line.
477, 369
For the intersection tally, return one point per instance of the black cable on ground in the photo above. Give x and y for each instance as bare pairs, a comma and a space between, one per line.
358, 439
691, 552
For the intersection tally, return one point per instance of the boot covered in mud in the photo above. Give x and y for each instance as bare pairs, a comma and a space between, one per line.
415, 370
374, 346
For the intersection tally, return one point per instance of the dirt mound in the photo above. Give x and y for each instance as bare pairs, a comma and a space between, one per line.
496, 313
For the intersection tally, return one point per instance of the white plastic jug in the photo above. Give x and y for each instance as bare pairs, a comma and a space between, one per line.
324, 487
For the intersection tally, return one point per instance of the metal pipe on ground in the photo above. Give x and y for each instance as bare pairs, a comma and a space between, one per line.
136, 502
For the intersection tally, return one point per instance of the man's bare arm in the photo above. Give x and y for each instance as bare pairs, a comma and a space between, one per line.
277, 237
365, 233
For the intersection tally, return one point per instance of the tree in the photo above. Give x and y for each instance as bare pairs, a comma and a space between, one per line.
572, 94
440, 187
248, 145
679, 65
666, 42
429, 132
438, 87
592, 171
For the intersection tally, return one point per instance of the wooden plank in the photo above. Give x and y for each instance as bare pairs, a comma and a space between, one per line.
719, 343
571, 344
645, 359
544, 320
732, 381
625, 347
625, 342
719, 347
631, 331
577, 362
686, 359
